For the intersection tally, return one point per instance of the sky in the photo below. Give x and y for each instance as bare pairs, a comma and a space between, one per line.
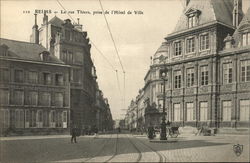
137, 36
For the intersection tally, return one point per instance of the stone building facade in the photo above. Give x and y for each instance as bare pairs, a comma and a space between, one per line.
34, 90
69, 43
104, 120
206, 61
58, 84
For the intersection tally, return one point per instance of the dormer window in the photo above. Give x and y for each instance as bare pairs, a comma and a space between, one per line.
191, 21
44, 56
246, 39
4, 50
192, 17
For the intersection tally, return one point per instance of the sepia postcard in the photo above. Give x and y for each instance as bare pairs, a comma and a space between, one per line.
124, 81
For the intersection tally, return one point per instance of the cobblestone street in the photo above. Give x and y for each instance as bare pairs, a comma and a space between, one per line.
123, 147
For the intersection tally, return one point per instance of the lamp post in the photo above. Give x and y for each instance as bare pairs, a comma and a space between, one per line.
163, 123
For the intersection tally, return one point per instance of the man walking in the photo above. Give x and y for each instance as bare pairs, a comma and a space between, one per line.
73, 133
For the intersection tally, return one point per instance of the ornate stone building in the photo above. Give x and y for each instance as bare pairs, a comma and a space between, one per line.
207, 64
69, 43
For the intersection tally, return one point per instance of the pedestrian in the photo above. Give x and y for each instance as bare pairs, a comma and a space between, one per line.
96, 131
73, 134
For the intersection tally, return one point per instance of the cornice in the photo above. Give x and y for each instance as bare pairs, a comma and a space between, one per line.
196, 29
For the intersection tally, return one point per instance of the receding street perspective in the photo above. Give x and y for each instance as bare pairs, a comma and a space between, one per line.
124, 81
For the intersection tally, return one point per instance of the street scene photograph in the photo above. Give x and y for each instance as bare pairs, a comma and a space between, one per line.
124, 81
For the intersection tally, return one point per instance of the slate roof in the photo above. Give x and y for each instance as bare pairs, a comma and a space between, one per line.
245, 21
162, 50
56, 21
26, 51
211, 10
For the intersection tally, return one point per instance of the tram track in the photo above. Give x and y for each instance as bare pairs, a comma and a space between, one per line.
162, 158
116, 142
99, 151
137, 149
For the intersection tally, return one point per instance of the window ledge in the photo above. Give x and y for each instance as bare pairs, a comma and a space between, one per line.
190, 53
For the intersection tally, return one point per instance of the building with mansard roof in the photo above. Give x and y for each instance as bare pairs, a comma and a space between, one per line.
207, 64
68, 42
34, 90
50, 84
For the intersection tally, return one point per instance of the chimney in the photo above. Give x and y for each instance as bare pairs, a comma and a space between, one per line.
45, 19
78, 25
187, 2
34, 38
237, 13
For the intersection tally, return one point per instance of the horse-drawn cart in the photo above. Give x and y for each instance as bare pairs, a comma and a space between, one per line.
173, 132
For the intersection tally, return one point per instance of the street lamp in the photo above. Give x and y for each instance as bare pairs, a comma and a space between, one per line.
163, 123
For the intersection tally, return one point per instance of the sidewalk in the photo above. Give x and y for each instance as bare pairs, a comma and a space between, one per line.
39, 137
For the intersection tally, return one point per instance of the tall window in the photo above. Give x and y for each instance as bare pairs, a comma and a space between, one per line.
204, 75
191, 21
177, 48
244, 110
18, 97
64, 114
45, 118
4, 118
204, 42
4, 96
190, 45
33, 118
59, 99
64, 119
52, 117
227, 73
227, 107
27, 118
33, 97
19, 118
190, 77
203, 111
245, 39
77, 75
190, 111
70, 57
39, 119
18, 77
58, 119
4, 74
59, 79
44, 99
33, 77
245, 70
67, 35
46, 78
177, 79
177, 112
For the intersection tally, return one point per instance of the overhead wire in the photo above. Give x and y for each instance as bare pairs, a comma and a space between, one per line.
99, 51
113, 40
111, 35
